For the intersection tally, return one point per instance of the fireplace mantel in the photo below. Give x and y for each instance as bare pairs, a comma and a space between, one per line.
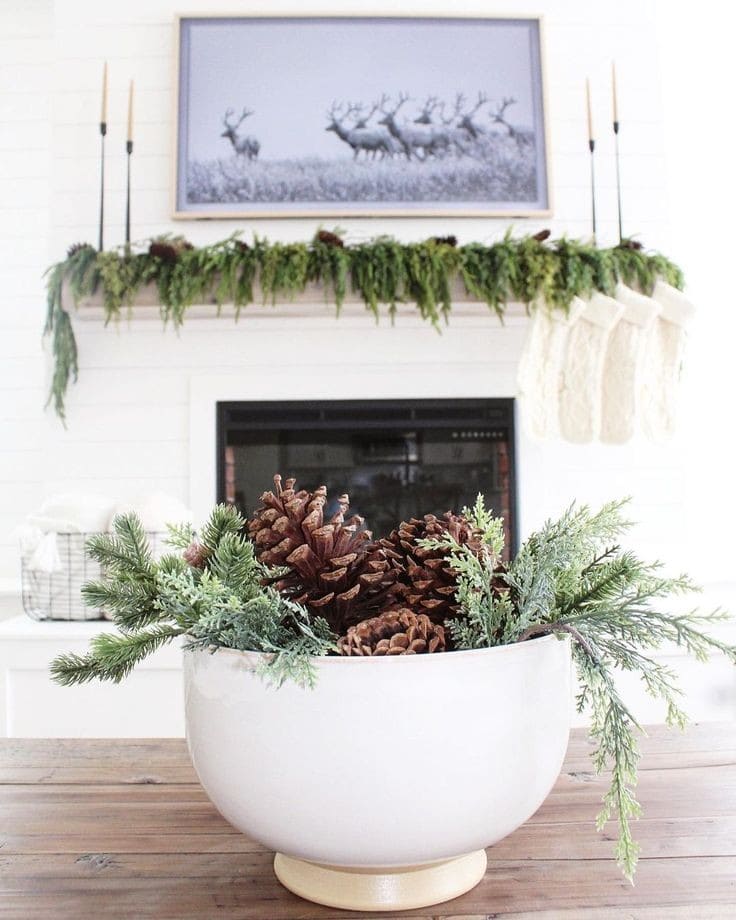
315, 301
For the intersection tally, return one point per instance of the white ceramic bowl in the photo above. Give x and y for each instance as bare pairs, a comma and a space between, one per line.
387, 762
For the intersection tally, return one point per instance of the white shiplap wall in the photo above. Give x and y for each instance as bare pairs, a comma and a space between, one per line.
128, 426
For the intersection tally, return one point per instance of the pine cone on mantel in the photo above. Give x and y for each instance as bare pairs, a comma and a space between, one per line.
334, 567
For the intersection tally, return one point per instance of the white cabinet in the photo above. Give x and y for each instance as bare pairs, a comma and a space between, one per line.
148, 704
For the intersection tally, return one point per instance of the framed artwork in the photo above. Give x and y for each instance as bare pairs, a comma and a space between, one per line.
334, 116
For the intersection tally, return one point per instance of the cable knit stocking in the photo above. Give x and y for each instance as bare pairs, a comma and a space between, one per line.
663, 357
540, 367
582, 371
624, 364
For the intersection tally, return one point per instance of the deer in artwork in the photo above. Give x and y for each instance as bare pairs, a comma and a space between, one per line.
460, 137
244, 145
428, 139
521, 135
425, 118
359, 137
466, 121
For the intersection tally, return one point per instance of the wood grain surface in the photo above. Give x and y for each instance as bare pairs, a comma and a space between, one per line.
122, 829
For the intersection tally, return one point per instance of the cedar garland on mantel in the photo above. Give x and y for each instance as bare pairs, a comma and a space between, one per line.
381, 272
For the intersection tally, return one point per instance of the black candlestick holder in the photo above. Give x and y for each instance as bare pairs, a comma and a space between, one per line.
591, 147
103, 132
618, 182
129, 152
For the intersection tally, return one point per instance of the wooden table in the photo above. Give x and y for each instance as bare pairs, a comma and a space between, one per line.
98, 829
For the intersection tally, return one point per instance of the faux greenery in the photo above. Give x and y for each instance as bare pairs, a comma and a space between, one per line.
572, 578
380, 271
222, 604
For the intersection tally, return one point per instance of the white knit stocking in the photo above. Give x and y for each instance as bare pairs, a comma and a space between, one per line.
663, 359
582, 370
624, 364
540, 367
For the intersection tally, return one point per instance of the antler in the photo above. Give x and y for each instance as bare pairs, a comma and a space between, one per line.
429, 106
501, 108
364, 119
334, 111
403, 97
482, 99
459, 101
338, 112
229, 113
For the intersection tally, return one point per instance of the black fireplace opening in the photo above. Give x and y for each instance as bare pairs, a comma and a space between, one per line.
396, 459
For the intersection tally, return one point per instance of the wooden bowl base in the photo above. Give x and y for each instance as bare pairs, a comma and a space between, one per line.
403, 888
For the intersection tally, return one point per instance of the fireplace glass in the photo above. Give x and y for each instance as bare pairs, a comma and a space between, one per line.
396, 459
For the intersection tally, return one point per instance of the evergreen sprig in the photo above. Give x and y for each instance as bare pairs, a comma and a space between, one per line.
382, 271
571, 578
223, 605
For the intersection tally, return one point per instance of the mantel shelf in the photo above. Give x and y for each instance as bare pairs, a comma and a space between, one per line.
313, 302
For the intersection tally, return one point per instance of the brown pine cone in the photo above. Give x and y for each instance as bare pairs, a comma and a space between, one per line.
334, 567
429, 584
399, 632
196, 554
169, 250
78, 247
329, 238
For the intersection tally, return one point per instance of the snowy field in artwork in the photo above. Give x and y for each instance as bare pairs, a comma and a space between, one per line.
505, 172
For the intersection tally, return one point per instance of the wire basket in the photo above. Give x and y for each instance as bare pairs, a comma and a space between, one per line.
58, 595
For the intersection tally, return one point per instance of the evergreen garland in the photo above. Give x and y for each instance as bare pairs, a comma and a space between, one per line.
381, 271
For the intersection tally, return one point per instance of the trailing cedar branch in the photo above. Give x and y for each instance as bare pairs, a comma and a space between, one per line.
380, 271
571, 578
222, 605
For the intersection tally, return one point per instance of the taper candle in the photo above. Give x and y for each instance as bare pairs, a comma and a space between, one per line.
130, 112
590, 110
103, 113
615, 94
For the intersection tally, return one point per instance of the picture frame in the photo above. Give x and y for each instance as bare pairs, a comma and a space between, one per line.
360, 116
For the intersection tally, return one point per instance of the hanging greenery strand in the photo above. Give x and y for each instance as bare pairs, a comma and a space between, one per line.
379, 272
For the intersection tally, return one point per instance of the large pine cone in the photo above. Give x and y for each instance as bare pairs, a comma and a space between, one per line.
335, 568
429, 584
399, 632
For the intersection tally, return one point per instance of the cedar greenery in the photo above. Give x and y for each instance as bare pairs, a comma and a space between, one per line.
571, 578
380, 271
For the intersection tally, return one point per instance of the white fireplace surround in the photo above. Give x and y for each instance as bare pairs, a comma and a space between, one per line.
370, 376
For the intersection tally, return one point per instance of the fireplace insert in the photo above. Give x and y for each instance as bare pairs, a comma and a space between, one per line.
396, 458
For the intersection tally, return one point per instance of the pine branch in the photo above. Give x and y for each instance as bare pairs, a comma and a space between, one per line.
546, 629
69, 669
132, 603
224, 519
111, 657
126, 549
234, 562
179, 536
